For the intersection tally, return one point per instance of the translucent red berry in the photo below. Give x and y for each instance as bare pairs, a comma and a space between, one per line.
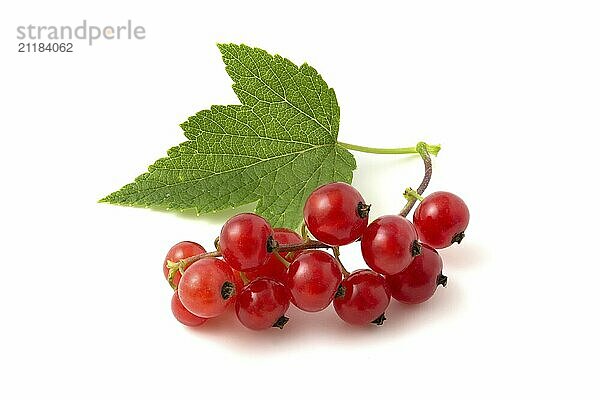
245, 241
362, 298
207, 287
389, 244
336, 214
313, 278
177, 253
262, 304
418, 282
441, 219
183, 315
274, 268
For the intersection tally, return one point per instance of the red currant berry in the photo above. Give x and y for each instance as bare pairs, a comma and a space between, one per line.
419, 280
441, 219
245, 241
206, 287
389, 244
274, 268
313, 278
262, 304
362, 298
177, 253
336, 214
183, 315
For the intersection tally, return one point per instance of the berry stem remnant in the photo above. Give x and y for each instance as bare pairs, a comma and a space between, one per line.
410, 194
281, 258
336, 254
304, 231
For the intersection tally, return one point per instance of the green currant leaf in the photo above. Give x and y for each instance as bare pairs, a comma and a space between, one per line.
275, 148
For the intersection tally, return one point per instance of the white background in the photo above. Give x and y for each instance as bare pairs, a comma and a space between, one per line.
511, 89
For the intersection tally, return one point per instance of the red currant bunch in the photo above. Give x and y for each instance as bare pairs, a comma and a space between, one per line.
260, 271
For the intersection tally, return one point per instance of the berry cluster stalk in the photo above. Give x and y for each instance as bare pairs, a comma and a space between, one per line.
411, 195
278, 248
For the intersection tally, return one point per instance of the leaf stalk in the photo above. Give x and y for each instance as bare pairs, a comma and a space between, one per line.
431, 149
